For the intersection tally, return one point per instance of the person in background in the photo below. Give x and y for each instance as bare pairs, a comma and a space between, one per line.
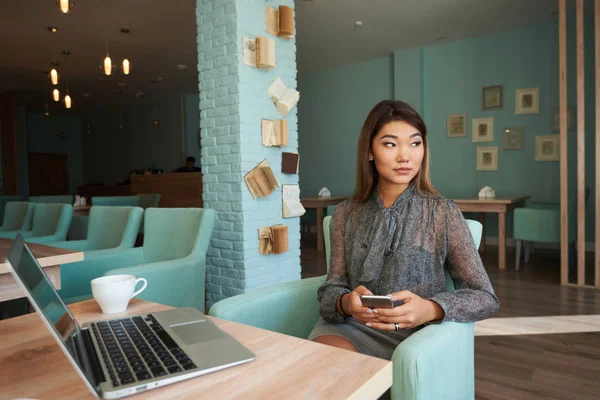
189, 166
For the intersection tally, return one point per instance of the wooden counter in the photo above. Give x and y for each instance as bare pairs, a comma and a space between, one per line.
182, 189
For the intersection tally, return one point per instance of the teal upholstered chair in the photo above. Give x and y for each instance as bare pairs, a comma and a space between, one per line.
18, 216
127, 201
66, 199
148, 200
50, 223
436, 362
108, 228
172, 259
4, 200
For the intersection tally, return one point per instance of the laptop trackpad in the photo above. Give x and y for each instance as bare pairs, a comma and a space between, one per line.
197, 332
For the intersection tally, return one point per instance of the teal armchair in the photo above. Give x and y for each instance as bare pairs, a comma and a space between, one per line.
50, 224
4, 200
66, 199
18, 216
436, 362
130, 201
108, 228
172, 259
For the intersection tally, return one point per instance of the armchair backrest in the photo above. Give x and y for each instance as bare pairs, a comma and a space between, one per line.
474, 226
110, 227
51, 219
148, 200
6, 199
122, 201
17, 216
66, 199
172, 233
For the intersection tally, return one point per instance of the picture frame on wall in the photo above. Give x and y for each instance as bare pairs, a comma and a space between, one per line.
570, 119
487, 158
456, 125
483, 129
491, 97
513, 138
527, 101
547, 148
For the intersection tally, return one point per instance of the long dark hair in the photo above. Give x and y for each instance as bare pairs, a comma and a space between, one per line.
366, 172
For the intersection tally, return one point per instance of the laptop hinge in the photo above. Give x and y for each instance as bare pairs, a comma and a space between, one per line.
88, 358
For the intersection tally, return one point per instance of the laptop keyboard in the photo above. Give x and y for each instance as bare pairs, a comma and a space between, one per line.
138, 349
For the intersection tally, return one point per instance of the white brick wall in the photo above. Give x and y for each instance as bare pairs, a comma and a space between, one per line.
233, 100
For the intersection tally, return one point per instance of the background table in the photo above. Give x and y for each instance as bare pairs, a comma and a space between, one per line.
499, 205
321, 204
32, 365
49, 258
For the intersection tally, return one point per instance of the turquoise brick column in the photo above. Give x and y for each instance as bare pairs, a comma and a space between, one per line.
233, 101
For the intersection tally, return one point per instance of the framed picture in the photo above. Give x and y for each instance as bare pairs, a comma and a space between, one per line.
547, 148
483, 129
491, 97
570, 119
513, 138
487, 158
456, 125
527, 101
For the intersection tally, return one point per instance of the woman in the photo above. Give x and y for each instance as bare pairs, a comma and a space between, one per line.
395, 236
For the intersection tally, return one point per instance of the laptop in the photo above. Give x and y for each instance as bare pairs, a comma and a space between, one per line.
123, 356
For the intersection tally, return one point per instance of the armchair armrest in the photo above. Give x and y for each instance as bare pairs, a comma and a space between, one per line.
176, 283
79, 245
290, 308
436, 362
45, 239
75, 277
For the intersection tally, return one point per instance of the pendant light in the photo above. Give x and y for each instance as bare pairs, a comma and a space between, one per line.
64, 5
155, 122
88, 130
107, 65
68, 101
120, 125
125, 64
46, 112
56, 95
54, 76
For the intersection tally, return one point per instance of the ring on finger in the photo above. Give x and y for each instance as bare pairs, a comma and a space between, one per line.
397, 326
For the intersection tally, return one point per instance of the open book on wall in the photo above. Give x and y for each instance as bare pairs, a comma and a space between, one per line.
284, 98
273, 239
290, 162
291, 201
280, 21
259, 52
274, 132
261, 181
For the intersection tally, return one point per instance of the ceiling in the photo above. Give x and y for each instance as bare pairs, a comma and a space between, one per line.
163, 35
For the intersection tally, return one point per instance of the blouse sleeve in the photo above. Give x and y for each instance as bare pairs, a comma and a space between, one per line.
337, 279
473, 298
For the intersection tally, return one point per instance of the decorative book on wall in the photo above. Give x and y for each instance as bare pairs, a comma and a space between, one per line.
292, 207
259, 52
280, 21
290, 162
284, 98
274, 132
261, 181
273, 239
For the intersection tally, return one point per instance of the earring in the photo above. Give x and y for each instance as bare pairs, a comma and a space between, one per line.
370, 157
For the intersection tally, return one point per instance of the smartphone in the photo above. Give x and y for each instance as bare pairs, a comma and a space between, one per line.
373, 301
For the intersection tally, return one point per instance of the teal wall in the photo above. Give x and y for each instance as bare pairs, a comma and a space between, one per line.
447, 79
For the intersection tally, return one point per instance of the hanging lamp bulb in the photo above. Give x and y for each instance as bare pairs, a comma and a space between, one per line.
67, 101
126, 66
54, 76
107, 65
88, 130
64, 5
46, 112
56, 95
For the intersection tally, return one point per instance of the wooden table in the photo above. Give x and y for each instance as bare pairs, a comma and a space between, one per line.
49, 258
321, 204
82, 210
499, 205
32, 365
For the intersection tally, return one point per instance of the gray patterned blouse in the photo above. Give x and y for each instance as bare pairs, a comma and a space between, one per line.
407, 247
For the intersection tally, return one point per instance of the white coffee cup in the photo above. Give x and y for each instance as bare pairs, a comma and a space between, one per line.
114, 292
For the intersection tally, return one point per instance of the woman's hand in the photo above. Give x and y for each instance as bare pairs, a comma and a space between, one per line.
413, 312
353, 306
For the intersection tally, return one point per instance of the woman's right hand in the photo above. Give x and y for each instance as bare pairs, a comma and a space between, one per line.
353, 306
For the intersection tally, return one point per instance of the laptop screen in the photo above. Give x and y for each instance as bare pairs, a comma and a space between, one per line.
42, 291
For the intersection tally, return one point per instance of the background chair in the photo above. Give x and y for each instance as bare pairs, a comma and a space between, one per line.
436, 362
18, 216
172, 259
108, 228
4, 200
50, 223
148, 200
65, 199
124, 201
